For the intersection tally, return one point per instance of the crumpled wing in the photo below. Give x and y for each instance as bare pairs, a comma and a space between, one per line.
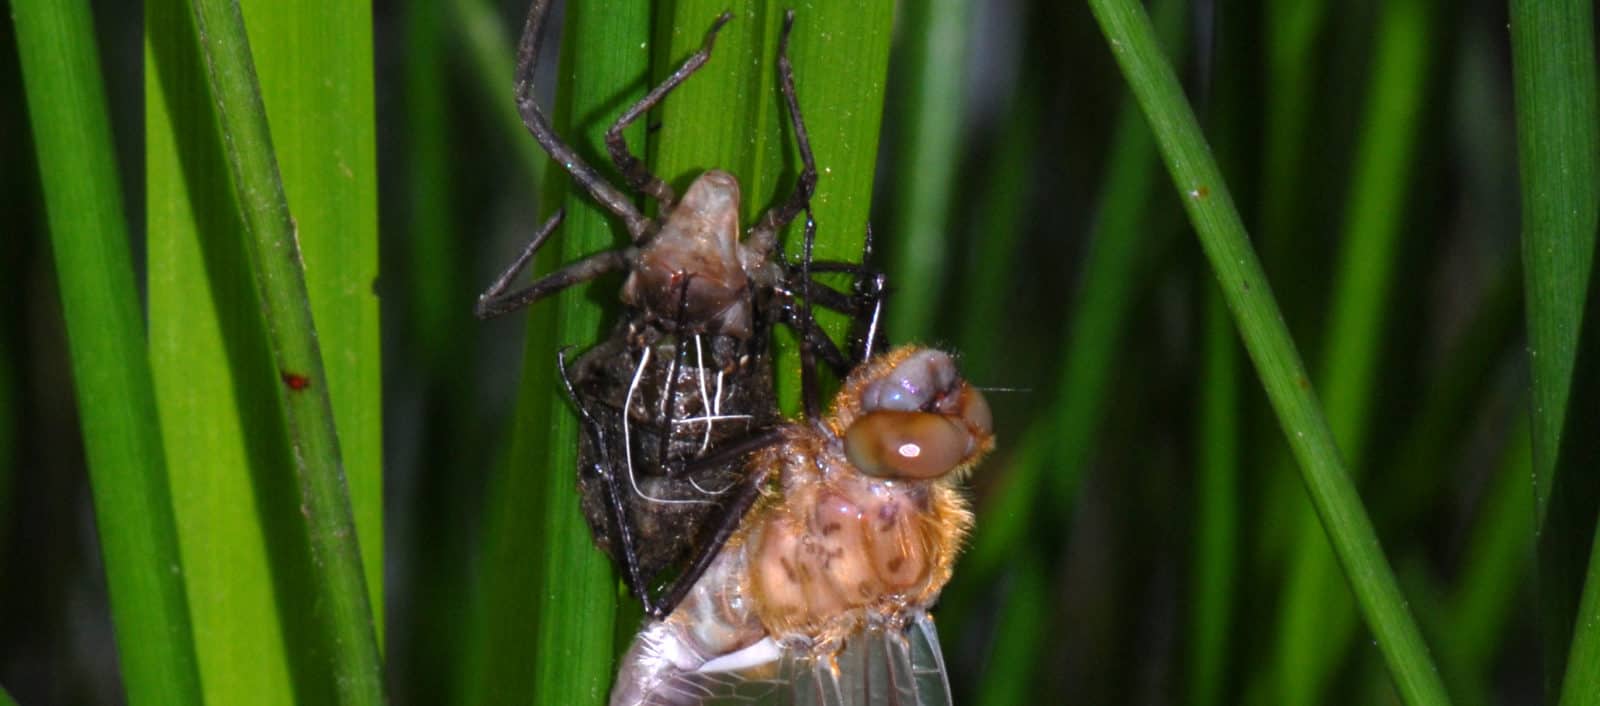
880, 666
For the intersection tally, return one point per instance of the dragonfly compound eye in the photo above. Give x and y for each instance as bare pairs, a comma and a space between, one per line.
912, 445
918, 383
974, 409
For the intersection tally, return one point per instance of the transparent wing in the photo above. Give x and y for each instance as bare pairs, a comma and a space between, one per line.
880, 666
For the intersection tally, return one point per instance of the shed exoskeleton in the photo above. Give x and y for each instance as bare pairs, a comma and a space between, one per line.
682, 390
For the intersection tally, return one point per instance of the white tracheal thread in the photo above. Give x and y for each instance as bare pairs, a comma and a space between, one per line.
714, 409
705, 402
872, 329
627, 438
711, 417
698, 487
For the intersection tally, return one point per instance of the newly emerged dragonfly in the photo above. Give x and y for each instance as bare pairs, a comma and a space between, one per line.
682, 390
821, 595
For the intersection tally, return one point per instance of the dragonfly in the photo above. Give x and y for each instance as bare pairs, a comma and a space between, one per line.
822, 594
682, 390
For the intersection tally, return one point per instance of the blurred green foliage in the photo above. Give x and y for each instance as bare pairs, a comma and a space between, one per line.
1142, 534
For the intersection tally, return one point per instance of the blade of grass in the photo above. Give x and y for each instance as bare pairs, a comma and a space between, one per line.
9, 406
605, 61
1004, 195
477, 29
250, 568
316, 80
491, 57
728, 115
1469, 614
841, 61
1479, 608
1293, 30
497, 668
935, 40
271, 236
111, 368
1581, 684
1451, 398
1553, 62
213, 385
1222, 237
840, 53
1227, 111
1317, 620
433, 505
1121, 240
1011, 675
434, 291
1216, 517
1558, 138
1580, 453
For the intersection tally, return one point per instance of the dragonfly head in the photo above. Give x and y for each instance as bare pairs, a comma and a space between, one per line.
917, 419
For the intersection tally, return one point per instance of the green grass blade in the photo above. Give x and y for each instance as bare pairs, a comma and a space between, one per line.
1474, 614
252, 577
1379, 189
1317, 620
273, 247
739, 88
840, 56
1216, 517
934, 42
111, 368
321, 85
445, 522
990, 261
1293, 32
433, 276
213, 383
1558, 140
1121, 240
1479, 609
1558, 135
534, 513
1012, 676
498, 667
1451, 398
1581, 685
492, 59
1003, 196
841, 60
604, 65
433, 512
1099, 317
9, 407
1278, 365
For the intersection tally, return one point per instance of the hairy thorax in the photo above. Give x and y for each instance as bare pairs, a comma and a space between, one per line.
853, 524
844, 544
